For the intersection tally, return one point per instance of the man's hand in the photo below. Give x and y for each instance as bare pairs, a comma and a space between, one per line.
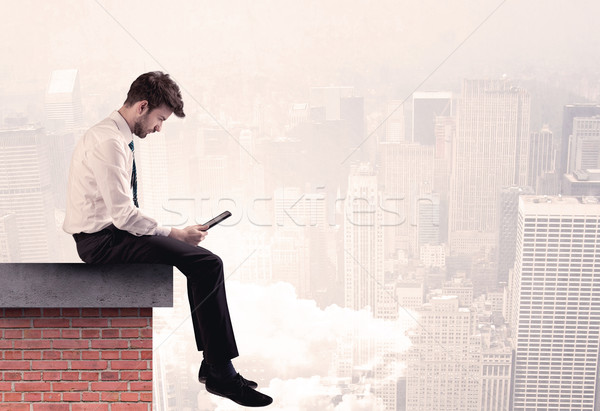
192, 234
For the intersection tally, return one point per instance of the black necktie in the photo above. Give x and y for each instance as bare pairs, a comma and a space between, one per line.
134, 177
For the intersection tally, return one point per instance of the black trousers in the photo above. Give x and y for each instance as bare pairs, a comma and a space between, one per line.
205, 280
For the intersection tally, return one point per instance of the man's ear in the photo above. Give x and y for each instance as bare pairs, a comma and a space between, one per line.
142, 107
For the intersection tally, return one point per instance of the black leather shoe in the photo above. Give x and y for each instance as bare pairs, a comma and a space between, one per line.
203, 375
238, 391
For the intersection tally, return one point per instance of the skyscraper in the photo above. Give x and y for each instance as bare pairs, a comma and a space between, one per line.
571, 111
426, 107
554, 309
490, 152
64, 111
542, 156
584, 144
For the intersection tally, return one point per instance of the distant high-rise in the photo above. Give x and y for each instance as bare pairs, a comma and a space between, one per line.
542, 156
507, 228
426, 107
490, 152
584, 144
571, 111
554, 309
395, 128
64, 111
25, 190
9, 241
582, 183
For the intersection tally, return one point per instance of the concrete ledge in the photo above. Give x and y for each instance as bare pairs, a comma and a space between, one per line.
85, 285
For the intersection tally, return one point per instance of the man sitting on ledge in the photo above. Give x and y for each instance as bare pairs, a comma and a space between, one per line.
103, 216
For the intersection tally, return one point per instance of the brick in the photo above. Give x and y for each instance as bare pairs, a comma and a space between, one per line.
130, 333
51, 312
14, 323
129, 365
110, 344
51, 323
90, 355
32, 386
71, 355
69, 376
110, 355
90, 396
32, 396
141, 386
146, 396
71, 396
90, 376
90, 312
32, 312
50, 365
130, 407
70, 386
13, 312
90, 322
111, 333
32, 355
146, 354
130, 396
86, 333
146, 333
52, 355
109, 376
71, 333
52, 397
109, 396
89, 365
14, 407
13, 396
13, 355
90, 407
32, 334
129, 312
32, 376
13, 334
52, 376
51, 407
51, 333
6, 386
13, 376
6, 344
130, 355
146, 312
141, 344
109, 386
129, 322
129, 376
15, 365
71, 312
146, 375
66, 344
33, 344
110, 312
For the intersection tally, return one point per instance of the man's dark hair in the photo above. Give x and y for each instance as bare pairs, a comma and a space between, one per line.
157, 88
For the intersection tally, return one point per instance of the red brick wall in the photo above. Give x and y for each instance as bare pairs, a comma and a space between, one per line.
96, 359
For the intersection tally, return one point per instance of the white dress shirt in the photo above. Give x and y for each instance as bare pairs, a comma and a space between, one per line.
99, 188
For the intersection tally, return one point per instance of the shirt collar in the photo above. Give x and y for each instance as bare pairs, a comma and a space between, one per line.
122, 125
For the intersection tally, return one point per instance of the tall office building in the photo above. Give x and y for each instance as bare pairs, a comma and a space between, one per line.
395, 128
9, 245
64, 111
542, 155
554, 309
507, 228
490, 152
582, 183
426, 107
25, 190
571, 111
584, 144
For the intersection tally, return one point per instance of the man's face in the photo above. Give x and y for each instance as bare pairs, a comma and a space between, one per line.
151, 121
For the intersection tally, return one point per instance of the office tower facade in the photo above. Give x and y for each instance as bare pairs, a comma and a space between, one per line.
554, 309
428, 220
9, 245
426, 107
582, 183
490, 152
507, 228
584, 144
571, 111
363, 240
25, 190
395, 127
495, 379
542, 155
64, 110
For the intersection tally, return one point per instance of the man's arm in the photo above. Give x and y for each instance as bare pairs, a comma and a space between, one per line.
191, 235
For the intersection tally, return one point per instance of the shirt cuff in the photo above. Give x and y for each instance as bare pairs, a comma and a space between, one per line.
163, 231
